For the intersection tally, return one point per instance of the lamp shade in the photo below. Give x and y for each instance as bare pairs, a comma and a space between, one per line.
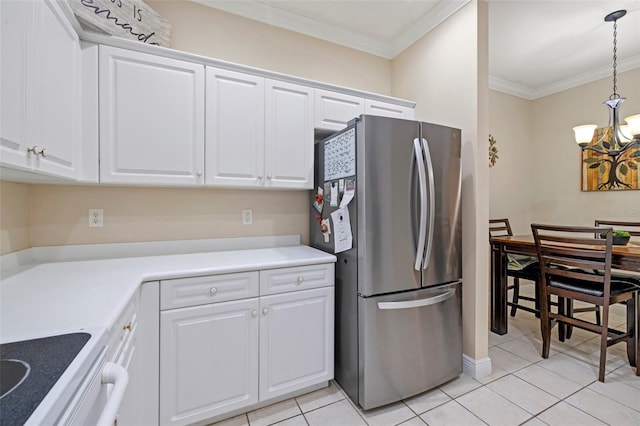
634, 124
584, 134
625, 135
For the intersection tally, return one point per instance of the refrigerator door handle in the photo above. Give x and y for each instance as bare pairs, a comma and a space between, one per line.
418, 303
432, 207
417, 150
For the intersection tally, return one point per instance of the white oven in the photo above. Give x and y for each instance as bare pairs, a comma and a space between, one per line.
72, 378
99, 400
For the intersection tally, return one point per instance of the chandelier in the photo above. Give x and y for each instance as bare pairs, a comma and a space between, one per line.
622, 137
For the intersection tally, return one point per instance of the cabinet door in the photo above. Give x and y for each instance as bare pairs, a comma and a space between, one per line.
57, 109
208, 360
289, 135
15, 17
334, 110
235, 128
296, 341
151, 119
39, 89
384, 109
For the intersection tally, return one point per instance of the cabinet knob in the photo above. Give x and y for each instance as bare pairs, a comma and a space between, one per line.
254, 313
32, 150
259, 177
268, 176
127, 327
265, 311
198, 173
41, 152
213, 291
300, 280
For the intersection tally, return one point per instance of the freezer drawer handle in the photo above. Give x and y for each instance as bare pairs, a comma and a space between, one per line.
418, 303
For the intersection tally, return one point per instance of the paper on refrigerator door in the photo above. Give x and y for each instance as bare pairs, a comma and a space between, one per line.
347, 197
342, 236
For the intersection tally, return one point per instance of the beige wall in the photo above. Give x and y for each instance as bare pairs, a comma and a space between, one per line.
446, 74
510, 180
543, 161
210, 32
59, 214
557, 197
14, 217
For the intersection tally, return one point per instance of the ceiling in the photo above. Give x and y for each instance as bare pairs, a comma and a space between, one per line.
535, 47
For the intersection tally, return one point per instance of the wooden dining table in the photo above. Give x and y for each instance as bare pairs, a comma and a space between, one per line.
626, 258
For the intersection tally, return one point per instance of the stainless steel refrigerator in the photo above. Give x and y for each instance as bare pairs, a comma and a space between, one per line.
399, 280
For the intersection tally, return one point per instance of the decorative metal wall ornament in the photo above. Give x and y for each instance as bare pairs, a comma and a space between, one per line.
493, 151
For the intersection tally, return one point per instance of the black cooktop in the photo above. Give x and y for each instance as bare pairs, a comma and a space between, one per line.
30, 368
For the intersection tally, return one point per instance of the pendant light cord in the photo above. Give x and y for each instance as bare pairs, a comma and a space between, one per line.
615, 94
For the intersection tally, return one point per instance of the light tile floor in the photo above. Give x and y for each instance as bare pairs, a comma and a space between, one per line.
523, 389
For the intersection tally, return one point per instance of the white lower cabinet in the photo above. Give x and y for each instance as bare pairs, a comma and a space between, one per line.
208, 360
296, 341
219, 356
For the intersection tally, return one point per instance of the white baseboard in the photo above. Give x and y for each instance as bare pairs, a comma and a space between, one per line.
476, 368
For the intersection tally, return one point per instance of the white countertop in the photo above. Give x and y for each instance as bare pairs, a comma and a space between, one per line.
51, 298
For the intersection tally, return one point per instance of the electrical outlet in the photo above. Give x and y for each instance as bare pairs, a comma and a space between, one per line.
96, 218
247, 217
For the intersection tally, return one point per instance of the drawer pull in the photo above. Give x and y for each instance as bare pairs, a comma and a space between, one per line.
265, 311
300, 280
213, 291
127, 327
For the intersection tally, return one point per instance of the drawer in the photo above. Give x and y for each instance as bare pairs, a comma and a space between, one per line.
182, 292
122, 330
274, 281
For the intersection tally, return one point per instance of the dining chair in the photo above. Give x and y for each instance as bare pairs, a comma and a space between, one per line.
518, 267
633, 228
576, 265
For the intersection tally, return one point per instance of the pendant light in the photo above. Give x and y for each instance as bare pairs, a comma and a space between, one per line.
623, 137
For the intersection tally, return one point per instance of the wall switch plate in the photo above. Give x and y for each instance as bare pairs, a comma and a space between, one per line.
247, 217
96, 218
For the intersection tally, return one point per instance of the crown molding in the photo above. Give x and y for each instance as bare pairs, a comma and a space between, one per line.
290, 21
529, 93
436, 16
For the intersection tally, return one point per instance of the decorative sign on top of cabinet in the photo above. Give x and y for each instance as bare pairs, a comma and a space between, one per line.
259, 132
151, 119
40, 93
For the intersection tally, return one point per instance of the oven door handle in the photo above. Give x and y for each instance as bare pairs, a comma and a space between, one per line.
113, 374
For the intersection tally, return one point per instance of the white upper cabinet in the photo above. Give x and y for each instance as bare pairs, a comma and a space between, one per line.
334, 110
40, 112
288, 135
259, 132
235, 128
151, 119
385, 109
